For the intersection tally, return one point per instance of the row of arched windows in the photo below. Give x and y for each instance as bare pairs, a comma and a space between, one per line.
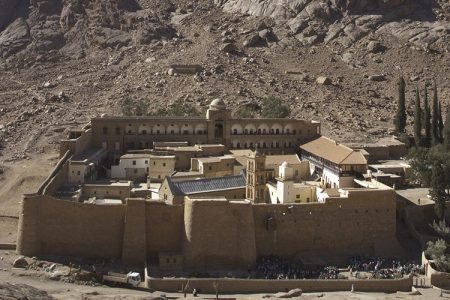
262, 145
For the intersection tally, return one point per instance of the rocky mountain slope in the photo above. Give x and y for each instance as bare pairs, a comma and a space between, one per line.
64, 61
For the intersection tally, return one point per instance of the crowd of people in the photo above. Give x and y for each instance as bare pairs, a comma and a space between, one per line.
383, 268
274, 267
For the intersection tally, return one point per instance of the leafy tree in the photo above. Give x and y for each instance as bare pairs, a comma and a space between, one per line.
274, 108
426, 118
245, 112
438, 191
179, 108
441, 228
422, 161
132, 107
419, 161
400, 118
435, 118
126, 106
446, 132
417, 119
439, 254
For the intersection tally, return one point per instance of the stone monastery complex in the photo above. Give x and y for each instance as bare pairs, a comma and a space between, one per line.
210, 193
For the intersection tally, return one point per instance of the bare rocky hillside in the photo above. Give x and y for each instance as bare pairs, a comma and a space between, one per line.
64, 61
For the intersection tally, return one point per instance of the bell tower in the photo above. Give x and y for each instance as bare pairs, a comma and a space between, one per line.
256, 178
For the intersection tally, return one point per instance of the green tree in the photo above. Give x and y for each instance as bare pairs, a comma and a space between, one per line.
273, 108
179, 108
417, 119
426, 118
245, 112
419, 161
400, 118
446, 131
435, 118
440, 124
437, 192
437, 251
126, 106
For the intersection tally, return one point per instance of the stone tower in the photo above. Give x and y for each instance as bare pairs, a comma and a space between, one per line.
256, 177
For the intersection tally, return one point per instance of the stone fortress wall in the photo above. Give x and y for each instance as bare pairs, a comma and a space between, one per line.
209, 233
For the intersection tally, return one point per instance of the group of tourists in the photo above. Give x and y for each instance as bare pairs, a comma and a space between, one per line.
382, 268
274, 267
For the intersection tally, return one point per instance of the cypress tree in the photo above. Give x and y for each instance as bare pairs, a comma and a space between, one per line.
417, 119
400, 118
435, 118
440, 124
446, 131
438, 190
426, 117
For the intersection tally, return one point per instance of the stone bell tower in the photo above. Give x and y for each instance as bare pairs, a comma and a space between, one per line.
256, 177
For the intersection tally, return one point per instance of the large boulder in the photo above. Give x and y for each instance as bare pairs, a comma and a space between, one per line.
20, 262
22, 291
14, 38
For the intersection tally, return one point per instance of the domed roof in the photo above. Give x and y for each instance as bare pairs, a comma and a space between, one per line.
218, 104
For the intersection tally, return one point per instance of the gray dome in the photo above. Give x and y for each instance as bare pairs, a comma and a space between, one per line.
217, 104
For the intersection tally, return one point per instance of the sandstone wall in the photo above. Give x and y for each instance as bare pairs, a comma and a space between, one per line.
164, 229
78, 145
334, 230
56, 227
218, 235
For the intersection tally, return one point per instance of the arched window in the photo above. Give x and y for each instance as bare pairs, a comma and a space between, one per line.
235, 131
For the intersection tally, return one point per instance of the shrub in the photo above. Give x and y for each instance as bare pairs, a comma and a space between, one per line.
244, 112
274, 108
180, 108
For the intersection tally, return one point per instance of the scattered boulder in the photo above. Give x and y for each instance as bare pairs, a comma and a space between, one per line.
22, 291
379, 77
20, 262
291, 294
49, 85
253, 41
14, 38
229, 48
323, 80
171, 72
375, 47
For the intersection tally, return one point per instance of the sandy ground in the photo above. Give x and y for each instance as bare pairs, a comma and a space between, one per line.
61, 290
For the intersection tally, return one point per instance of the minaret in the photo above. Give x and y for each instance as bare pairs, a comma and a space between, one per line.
256, 177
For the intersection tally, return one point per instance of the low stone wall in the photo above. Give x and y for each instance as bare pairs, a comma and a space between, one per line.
7, 246
438, 279
237, 286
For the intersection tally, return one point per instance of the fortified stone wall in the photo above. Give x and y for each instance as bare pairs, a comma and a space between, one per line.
219, 235
58, 176
78, 145
334, 230
56, 227
164, 229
